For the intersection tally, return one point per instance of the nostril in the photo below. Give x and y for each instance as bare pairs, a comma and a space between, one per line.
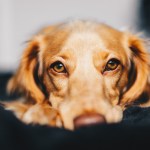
88, 120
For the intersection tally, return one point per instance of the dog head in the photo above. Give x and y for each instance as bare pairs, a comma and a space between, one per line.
83, 68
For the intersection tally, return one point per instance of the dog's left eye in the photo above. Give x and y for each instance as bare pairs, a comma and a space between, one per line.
58, 67
112, 64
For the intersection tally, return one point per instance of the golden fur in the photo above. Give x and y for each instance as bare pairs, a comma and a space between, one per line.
84, 48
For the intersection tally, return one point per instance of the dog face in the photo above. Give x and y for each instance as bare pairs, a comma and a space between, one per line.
83, 68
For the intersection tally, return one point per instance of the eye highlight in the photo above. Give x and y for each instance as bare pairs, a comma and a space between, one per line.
112, 64
58, 67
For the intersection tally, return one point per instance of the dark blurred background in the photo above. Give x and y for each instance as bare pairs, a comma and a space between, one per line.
144, 17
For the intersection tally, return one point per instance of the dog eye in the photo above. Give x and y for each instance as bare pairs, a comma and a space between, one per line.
112, 64
58, 67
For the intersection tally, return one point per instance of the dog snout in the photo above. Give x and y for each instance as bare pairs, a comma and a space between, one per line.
88, 120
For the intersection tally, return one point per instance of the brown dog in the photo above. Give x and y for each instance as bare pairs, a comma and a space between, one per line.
79, 73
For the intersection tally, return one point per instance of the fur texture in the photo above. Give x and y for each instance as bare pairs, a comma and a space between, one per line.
76, 68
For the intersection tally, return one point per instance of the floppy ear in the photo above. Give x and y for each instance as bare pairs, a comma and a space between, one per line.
24, 80
140, 60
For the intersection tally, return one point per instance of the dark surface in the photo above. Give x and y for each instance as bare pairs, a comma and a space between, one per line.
132, 133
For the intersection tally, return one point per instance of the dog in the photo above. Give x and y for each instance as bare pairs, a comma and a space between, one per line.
79, 73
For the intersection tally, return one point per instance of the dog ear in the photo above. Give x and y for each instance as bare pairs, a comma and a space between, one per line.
140, 62
24, 79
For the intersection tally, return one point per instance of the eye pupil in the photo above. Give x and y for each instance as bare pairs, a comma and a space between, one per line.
59, 66
112, 64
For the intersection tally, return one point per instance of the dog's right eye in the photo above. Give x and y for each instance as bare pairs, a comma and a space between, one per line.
58, 67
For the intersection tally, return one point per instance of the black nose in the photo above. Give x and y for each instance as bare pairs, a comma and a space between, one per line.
88, 120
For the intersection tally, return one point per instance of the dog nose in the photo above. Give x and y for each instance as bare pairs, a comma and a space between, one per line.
88, 120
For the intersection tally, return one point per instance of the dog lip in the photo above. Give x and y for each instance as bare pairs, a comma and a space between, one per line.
88, 120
